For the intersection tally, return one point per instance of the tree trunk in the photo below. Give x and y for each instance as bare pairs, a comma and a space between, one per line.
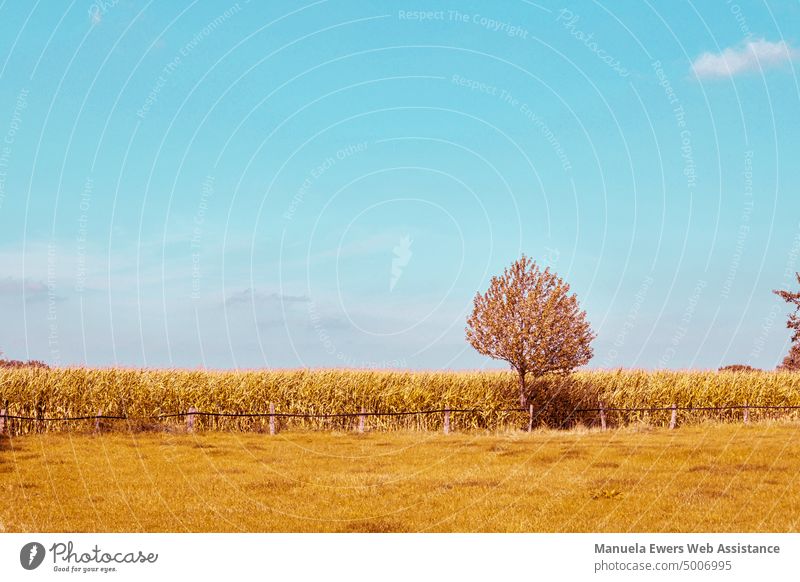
523, 400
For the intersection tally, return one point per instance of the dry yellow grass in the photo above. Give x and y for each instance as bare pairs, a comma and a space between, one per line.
81, 391
711, 477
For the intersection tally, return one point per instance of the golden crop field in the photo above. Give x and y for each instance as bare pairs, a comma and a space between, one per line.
60, 392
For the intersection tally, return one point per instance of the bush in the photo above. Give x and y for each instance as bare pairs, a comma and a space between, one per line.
21, 364
739, 368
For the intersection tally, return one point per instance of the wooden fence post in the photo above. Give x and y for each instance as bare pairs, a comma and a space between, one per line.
446, 421
124, 408
190, 419
40, 425
602, 416
530, 417
272, 418
746, 413
97, 420
361, 421
2, 421
674, 418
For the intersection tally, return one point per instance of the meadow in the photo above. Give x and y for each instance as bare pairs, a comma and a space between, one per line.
61, 392
708, 477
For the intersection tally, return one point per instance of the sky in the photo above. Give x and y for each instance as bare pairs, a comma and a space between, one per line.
329, 183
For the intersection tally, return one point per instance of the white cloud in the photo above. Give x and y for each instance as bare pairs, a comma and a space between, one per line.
249, 296
752, 56
12, 287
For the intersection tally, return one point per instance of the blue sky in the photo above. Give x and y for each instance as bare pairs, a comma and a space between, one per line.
329, 183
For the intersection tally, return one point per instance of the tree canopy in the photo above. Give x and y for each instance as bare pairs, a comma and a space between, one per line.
528, 318
792, 360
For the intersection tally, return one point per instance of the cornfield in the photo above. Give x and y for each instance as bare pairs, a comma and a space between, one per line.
140, 394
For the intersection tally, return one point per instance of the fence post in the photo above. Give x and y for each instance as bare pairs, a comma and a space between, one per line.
2, 421
361, 420
674, 418
447, 421
746, 413
190, 419
602, 416
40, 426
123, 407
272, 418
530, 417
97, 420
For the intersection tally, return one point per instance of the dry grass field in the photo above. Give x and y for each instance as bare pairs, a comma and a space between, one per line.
707, 477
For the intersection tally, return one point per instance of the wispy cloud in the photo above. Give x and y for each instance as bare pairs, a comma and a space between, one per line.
328, 322
371, 245
754, 55
249, 296
33, 290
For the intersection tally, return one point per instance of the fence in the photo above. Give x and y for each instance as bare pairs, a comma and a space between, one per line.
14, 424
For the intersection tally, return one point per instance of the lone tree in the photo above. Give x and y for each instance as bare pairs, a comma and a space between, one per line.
792, 361
528, 318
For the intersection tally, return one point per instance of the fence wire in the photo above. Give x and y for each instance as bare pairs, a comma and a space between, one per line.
569, 416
